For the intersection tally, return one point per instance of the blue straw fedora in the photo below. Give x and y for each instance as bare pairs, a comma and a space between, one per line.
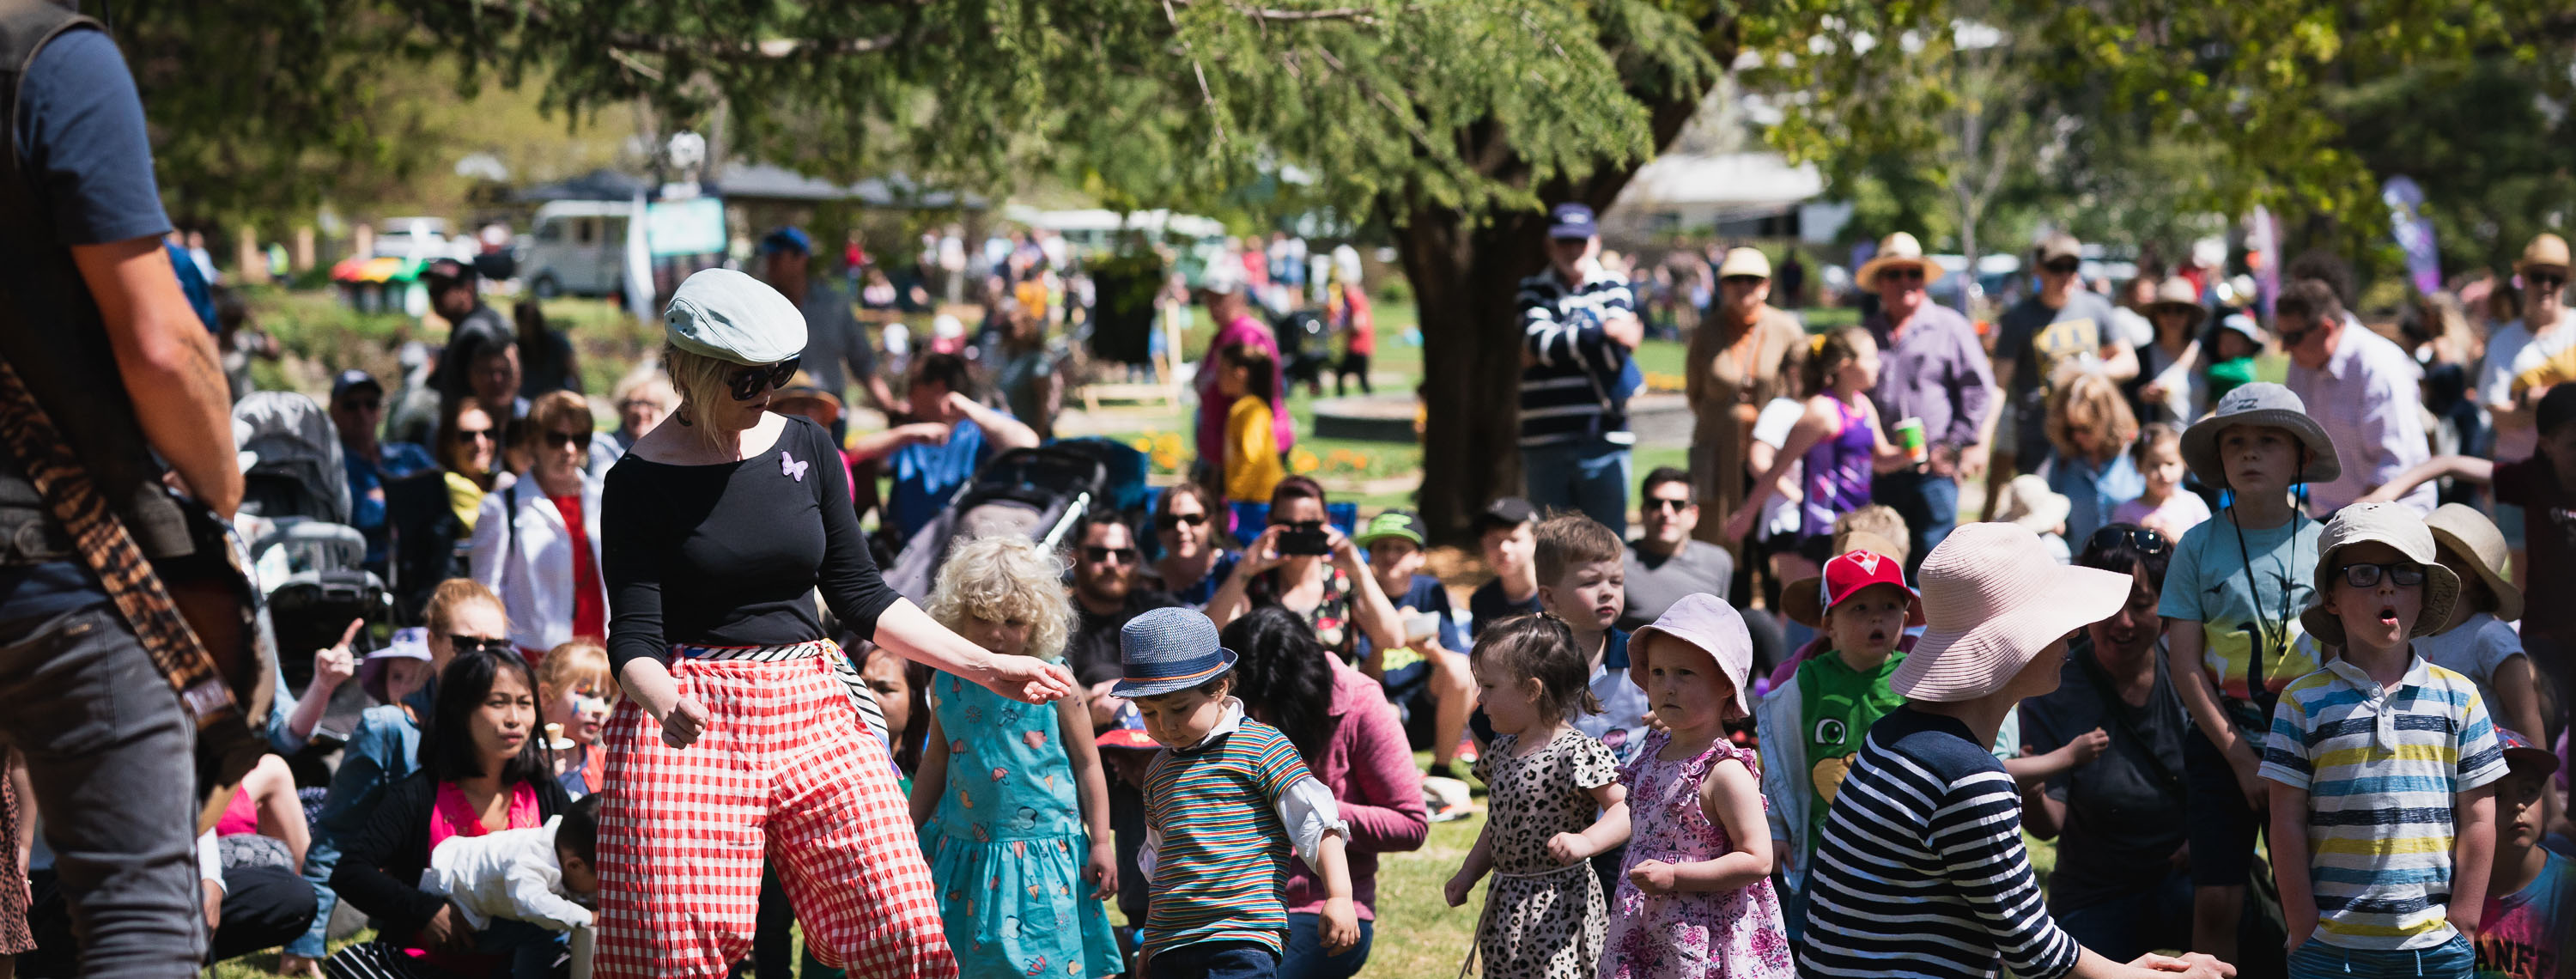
1169, 649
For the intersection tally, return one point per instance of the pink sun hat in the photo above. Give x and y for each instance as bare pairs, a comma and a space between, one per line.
1994, 599
1705, 621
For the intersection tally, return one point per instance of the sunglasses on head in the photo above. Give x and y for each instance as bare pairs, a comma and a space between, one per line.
1108, 555
2406, 574
2139, 539
567, 440
748, 382
478, 644
1173, 521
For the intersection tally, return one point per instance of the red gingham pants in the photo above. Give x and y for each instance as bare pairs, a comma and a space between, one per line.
787, 768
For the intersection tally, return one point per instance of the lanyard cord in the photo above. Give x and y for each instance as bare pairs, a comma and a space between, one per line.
2270, 635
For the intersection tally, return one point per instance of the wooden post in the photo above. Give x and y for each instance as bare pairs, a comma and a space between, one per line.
304, 248
253, 266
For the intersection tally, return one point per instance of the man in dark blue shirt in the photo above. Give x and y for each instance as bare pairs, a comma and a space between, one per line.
124, 365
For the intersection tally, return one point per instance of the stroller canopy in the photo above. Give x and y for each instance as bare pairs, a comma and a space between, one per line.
298, 470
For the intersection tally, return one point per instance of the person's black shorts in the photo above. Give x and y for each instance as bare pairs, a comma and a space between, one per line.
2222, 827
1408, 687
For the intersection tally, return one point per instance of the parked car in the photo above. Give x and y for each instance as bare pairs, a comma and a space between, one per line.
577, 248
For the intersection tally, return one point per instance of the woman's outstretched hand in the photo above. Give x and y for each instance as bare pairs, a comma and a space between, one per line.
1029, 679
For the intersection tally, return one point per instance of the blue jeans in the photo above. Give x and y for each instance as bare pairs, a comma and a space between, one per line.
1929, 504
2454, 959
1590, 475
1214, 960
2125, 926
320, 857
1305, 958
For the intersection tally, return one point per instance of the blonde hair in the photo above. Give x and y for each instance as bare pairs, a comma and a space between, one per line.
2091, 403
1878, 519
579, 663
700, 380
453, 595
1005, 579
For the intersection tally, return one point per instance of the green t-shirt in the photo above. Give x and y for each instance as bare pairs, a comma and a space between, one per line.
1836, 705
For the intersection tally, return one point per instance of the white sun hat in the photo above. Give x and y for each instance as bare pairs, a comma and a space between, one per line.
1995, 598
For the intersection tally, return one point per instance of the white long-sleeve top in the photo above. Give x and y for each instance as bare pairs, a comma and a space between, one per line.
533, 574
512, 874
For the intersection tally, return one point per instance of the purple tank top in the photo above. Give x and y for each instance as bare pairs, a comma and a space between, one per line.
1838, 472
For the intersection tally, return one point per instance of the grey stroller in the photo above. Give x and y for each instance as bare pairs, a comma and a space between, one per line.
295, 512
1039, 493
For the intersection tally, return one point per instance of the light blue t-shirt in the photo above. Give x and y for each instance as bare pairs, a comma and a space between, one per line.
2241, 594
925, 476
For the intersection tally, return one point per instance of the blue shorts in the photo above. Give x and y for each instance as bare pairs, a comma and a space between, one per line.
2454, 959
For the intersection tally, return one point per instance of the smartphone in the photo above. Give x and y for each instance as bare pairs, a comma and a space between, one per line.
1304, 540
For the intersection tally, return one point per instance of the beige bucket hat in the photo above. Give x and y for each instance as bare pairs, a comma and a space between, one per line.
1744, 261
2466, 532
1705, 621
1899, 249
2029, 504
2396, 526
1995, 598
2175, 295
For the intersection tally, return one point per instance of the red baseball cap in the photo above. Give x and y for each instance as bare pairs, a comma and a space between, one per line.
1808, 599
2519, 752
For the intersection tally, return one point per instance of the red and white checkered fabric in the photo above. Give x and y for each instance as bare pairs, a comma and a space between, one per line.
786, 768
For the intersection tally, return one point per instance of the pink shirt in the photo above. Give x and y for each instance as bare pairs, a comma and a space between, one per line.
1212, 406
1369, 766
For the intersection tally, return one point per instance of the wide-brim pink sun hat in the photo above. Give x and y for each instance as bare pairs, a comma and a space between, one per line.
1995, 599
1705, 621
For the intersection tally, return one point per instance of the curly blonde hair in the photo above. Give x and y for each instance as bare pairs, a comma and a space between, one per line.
1006, 579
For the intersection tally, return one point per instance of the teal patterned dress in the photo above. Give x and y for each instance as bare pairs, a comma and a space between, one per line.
1007, 845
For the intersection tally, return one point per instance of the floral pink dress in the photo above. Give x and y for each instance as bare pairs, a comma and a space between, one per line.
1687, 935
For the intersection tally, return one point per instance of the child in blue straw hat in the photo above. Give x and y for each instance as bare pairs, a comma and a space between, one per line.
1225, 802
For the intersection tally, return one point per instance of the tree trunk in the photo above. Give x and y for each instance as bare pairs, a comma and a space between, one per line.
1466, 272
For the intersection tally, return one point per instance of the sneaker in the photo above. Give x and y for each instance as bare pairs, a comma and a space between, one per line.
1448, 770
1446, 799
1467, 749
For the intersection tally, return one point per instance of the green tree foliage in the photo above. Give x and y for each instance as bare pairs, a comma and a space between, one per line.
2163, 110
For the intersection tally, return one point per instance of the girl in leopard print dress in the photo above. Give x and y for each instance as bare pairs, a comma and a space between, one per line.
1556, 801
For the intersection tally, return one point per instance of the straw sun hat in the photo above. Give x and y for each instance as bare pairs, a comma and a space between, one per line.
2398, 527
2470, 534
1899, 249
1995, 600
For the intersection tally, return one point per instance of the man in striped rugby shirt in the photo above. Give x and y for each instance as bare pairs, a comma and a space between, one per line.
1579, 335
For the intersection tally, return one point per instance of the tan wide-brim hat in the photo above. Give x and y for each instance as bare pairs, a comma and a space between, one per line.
800, 393
1995, 599
2175, 295
2029, 504
1744, 261
2466, 532
2545, 251
1705, 621
2265, 404
1896, 251
2396, 526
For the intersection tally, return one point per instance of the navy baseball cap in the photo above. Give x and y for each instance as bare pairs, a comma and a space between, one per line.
1571, 220
447, 272
351, 380
787, 239
1509, 511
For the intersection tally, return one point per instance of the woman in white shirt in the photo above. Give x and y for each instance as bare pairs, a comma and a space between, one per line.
535, 541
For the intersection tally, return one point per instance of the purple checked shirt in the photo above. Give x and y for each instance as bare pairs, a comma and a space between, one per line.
1936, 372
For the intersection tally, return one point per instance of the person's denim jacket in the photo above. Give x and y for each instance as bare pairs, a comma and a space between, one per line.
384, 750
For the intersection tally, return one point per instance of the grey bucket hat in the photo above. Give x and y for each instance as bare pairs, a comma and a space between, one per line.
2259, 403
2396, 526
735, 318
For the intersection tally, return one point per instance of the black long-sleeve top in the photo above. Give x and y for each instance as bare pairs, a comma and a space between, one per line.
381, 863
728, 554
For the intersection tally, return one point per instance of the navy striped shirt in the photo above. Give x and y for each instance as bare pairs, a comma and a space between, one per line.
1921, 872
1570, 380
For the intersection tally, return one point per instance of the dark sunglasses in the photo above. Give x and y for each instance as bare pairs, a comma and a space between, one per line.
1173, 521
478, 644
364, 404
748, 382
2061, 268
2544, 282
1743, 280
566, 440
1904, 274
1112, 555
2406, 574
2139, 539
474, 435
2291, 339
1655, 503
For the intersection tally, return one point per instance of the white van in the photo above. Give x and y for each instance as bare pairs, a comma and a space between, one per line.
577, 248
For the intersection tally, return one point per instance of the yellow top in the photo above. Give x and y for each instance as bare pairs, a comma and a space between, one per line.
464, 499
1252, 467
